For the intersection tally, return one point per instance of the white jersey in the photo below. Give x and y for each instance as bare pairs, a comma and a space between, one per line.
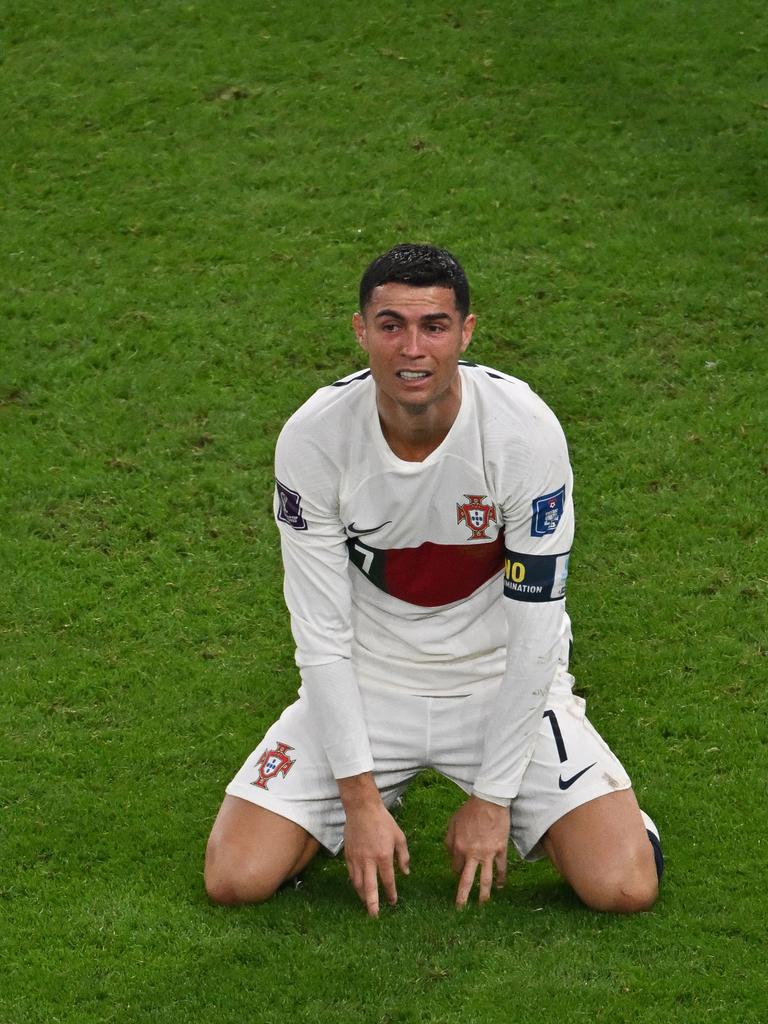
437, 576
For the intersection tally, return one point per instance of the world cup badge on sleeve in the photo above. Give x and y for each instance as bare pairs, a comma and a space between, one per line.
273, 763
547, 512
289, 507
476, 515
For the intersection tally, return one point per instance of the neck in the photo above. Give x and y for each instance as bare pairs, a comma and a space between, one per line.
414, 432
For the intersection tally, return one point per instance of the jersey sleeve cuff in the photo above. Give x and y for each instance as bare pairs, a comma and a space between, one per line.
343, 768
500, 801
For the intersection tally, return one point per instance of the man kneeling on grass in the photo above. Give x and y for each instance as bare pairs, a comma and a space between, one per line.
426, 516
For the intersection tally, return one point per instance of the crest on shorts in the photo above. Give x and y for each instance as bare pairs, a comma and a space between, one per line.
273, 763
476, 515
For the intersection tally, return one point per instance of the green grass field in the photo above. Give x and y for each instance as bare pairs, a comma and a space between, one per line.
190, 194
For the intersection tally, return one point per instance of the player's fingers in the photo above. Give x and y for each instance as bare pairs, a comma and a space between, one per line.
465, 883
355, 877
370, 887
403, 856
387, 875
501, 869
458, 862
457, 859
486, 878
449, 835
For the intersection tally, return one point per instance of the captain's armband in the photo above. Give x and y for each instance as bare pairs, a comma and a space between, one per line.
535, 577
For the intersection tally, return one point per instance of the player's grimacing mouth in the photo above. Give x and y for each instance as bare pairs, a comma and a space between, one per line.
413, 374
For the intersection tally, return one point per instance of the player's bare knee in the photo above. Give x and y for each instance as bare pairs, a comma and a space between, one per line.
219, 889
231, 877
640, 898
632, 898
234, 889
231, 893
632, 893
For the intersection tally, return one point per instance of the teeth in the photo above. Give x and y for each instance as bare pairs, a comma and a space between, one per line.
412, 374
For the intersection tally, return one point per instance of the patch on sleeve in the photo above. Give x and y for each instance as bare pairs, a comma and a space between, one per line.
535, 577
289, 507
547, 513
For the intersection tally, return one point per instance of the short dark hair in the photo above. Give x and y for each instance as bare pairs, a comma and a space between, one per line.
419, 266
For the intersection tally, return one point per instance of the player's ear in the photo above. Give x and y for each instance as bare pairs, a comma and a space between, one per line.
467, 329
358, 326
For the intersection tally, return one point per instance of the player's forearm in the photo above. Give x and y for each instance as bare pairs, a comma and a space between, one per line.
536, 643
336, 706
358, 792
507, 754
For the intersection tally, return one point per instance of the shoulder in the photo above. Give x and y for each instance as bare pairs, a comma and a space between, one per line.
322, 418
322, 439
526, 457
508, 409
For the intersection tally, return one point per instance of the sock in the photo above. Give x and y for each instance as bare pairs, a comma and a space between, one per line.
653, 836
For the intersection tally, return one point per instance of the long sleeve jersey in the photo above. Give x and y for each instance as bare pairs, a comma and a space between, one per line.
437, 576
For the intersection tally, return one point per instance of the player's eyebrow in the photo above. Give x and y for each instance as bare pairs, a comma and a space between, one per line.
429, 317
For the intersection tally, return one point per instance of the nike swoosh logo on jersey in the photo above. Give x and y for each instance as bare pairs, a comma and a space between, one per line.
361, 533
567, 783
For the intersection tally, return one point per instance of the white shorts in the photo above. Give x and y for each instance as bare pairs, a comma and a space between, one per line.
288, 772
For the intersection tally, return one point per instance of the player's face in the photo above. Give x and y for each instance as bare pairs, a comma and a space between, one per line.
414, 337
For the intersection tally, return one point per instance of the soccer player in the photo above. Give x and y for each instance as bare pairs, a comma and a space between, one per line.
426, 517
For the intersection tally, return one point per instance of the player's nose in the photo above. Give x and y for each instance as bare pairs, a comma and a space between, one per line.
412, 344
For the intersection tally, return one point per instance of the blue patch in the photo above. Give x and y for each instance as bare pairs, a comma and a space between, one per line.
547, 513
289, 507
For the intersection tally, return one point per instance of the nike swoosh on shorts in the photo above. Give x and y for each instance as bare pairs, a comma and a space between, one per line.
567, 783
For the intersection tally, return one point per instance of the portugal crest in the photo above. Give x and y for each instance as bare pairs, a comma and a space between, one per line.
273, 763
476, 515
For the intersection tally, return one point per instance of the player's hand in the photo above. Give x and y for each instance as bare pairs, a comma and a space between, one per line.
477, 837
372, 841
